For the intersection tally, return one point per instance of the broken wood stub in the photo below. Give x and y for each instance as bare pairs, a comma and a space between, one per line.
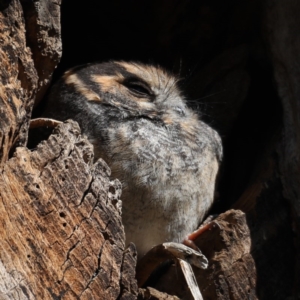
231, 273
61, 230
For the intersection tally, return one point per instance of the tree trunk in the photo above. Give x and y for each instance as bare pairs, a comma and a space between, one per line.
62, 235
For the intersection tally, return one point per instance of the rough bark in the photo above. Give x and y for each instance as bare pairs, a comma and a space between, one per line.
42, 22
61, 232
231, 273
61, 226
152, 294
18, 79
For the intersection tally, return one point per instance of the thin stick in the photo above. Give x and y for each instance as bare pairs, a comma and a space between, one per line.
190, 279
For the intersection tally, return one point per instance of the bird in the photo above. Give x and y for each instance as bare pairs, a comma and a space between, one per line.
139, 122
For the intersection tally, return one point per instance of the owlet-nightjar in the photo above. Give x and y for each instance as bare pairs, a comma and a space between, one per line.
166, 158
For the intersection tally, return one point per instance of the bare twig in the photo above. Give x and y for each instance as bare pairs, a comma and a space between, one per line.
190, 279
43, 122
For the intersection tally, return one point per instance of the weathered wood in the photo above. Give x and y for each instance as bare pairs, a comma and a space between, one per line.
231, 272
43, 34
62, 234
128, 281
152, 294
61, 230
18, 79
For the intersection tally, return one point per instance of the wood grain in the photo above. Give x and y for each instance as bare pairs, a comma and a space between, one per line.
61, 230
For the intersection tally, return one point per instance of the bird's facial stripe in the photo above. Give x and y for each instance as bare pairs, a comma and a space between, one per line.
131, 68
72, 79
107, 83
145, 105
153, 76
158, 79
148, 73
68, 73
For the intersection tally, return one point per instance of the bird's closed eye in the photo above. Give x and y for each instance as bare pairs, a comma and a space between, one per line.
138, 88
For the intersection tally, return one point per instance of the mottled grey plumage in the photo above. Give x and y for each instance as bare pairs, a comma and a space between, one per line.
138, 122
